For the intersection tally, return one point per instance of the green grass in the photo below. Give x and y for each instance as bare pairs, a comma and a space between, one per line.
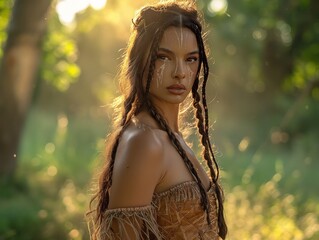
271, 192
50, 194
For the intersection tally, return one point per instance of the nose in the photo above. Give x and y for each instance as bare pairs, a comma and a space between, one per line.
179, 71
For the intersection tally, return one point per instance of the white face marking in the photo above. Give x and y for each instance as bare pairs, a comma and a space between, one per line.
160, 74
179, 36
181, 30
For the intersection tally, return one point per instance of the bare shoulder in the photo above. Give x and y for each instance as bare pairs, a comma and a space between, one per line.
140, 146
137, 169
142, 139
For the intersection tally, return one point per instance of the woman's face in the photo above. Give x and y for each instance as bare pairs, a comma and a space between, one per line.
175, 67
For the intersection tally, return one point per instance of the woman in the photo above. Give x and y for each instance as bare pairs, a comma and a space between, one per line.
153, 186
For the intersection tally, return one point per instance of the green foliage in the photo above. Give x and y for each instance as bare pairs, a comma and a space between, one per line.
301, 122
278, 42
18, 212
271, 193
49, 197
5, 10
304, 74
59, 66
268, 214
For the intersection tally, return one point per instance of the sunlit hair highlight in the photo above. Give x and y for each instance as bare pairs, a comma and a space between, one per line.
138, 64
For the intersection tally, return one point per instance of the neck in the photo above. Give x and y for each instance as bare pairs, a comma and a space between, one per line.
170, 113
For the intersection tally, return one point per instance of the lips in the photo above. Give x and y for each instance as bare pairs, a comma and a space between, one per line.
176, 89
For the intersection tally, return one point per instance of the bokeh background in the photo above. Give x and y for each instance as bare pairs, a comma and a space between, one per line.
58, 77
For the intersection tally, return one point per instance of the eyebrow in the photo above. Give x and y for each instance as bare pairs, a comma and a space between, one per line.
169, 51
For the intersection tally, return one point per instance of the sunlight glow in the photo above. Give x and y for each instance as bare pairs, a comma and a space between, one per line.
67, 9
244, 143
74, 233
49, 148
97, 4
62, 121
52, 171
218, 6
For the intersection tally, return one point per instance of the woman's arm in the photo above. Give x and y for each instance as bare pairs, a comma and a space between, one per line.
137, 170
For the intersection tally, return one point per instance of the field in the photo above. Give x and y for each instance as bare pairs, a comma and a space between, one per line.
271, 191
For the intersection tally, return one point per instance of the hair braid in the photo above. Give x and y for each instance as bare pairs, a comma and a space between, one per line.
203, 130
200, 126
206, 69
128, 103
159, 119
197, 99
207, 156
219, 192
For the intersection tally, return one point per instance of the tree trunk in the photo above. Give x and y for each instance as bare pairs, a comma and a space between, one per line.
18, 71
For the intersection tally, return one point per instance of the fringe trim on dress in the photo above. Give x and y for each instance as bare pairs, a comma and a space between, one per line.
130, 223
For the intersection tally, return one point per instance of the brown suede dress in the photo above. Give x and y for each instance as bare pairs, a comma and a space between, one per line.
174, 214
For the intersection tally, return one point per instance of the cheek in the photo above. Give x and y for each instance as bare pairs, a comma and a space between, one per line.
194, 67
160, 73
191, 71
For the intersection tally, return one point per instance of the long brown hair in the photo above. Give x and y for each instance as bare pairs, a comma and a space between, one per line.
139, 63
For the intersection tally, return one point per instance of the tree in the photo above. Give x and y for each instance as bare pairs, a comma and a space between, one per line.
18, 70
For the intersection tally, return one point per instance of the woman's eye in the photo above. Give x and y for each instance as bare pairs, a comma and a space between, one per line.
162, 57
192, 59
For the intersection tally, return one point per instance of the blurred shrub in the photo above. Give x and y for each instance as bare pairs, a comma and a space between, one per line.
268, 214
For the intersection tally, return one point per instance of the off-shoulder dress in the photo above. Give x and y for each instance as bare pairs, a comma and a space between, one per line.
174, 214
